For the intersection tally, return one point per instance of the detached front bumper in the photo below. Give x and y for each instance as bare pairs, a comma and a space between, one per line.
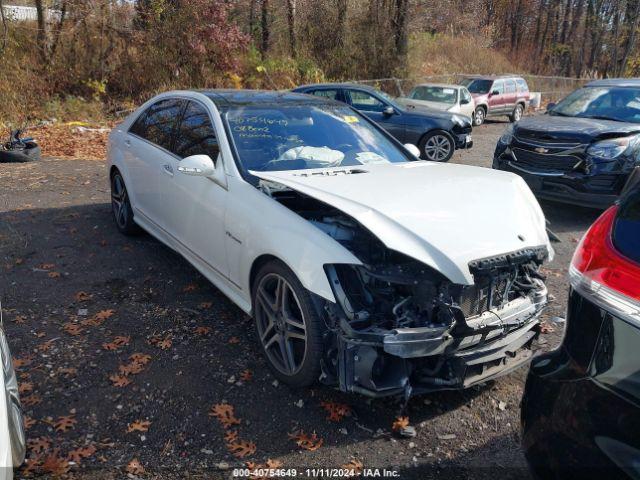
464, 140
597, 189
419, 360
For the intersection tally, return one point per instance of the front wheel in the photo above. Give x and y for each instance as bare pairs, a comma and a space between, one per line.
437, 146
479, 116
516, 114
287, 325
121, 206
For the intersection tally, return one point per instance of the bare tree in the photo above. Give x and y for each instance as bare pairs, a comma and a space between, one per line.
291, 24
264, 24
4, 29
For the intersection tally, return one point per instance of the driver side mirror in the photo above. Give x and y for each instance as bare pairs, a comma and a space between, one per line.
197, 166
550, 106
464, 101
389, 110
495, 92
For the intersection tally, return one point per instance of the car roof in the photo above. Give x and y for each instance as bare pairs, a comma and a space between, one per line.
443, 85
615, 82
494, 77
225, 98
335, 85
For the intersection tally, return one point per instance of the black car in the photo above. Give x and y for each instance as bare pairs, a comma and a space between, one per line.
583, 150
437, 134
581, 406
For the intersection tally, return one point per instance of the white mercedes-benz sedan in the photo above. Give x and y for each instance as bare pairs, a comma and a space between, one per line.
12, 436
363, 267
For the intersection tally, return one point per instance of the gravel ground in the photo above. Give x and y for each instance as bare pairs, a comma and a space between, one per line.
71, 285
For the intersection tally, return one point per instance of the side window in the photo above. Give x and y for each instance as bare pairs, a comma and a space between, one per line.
332, 94
522, 85
498, 86
466, 96
157, 124
510, 86
363, 101
196, 135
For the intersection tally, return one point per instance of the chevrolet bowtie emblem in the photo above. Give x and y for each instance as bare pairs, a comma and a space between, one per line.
542, 150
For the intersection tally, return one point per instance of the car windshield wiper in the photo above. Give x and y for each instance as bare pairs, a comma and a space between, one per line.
553, 113
604, 117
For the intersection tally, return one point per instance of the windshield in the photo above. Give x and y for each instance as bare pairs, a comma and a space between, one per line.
435, 94
607, 103
301, 137
478, 86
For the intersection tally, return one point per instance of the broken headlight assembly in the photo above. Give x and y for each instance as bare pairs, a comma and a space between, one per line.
613, 147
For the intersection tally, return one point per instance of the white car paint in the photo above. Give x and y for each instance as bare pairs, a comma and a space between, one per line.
463, 109
12, 438
441, 214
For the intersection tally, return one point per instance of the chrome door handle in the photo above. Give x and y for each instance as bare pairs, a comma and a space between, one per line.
168, 169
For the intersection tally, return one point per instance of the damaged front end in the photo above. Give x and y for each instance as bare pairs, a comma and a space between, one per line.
400, 327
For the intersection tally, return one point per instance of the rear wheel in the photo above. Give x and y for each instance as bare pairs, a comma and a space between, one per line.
479, 116
121, 206
517, 113
287, 325
437, 146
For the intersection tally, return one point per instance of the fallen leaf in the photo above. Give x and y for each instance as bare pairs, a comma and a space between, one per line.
400, 423
225, 414
68, 371
132, 368
165, 343
25, 387
204, 305
31, 400
242, 448
83, 296
354, 468
72, 328
28, 422
54, 464
203, 330
46, 266
234, 340
307, 442
139, 426
54, 274
39, 444
119, 380
270, 463
78, 454
134, 467
192, 287
22, 362
141, 358
64, 423
336, 411
246, 375
230, 436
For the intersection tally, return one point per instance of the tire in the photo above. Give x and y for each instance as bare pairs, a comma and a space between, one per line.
121, 206
479, 116
282, 307
517, 113
30, 153
437, 146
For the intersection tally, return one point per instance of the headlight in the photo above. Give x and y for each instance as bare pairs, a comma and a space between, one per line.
613, 147
461, 120
507, 136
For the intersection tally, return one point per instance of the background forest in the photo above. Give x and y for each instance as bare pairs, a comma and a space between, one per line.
98, 56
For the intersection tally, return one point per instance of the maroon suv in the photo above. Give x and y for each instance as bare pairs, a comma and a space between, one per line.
497, 96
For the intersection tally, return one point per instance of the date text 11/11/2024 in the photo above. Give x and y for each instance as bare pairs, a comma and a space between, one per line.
316, 473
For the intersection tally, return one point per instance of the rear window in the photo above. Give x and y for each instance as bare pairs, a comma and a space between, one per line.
522, 85
626, 231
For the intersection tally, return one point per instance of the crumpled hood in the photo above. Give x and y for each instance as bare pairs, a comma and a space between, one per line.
571, 129
443, 215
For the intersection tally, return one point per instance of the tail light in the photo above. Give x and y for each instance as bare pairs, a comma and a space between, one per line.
602, 274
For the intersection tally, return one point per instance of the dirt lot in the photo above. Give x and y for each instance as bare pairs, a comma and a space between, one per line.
71, 284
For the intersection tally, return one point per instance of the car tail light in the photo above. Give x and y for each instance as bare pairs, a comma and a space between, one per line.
603, 275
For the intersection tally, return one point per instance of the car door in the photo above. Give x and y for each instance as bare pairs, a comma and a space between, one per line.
467, 105
374, 108
510, 95
496, 98
196, 205
148, 155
